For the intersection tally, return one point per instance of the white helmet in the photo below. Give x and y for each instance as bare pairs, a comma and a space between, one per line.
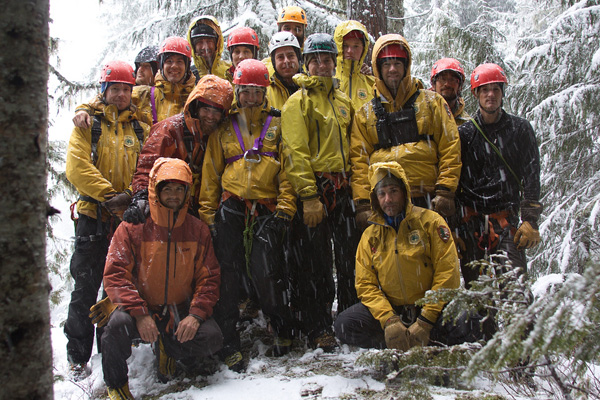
283, 39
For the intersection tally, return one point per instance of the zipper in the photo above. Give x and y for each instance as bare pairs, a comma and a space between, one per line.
340, 135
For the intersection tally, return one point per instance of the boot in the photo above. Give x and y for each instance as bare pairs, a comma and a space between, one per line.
121, 393
165, 365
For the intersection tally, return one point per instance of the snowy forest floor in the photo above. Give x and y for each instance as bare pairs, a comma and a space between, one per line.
303, 374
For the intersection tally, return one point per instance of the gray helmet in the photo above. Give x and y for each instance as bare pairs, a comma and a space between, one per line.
148, 54
320, 43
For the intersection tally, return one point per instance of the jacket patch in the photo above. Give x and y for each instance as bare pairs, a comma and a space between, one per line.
270, 135
362, 94
129, 141
414, 237
444, 233
344, 112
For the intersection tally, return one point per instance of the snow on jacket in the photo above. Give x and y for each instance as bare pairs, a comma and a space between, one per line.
167, 137
168, 260
219, 66
358, 86
397, 268
427, 163
169, 98
118, 148
249, 180
486, 183
315, 127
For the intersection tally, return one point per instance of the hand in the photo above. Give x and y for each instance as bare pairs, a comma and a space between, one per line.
365, 69
363, 212
418, 333
101, 311
187, 328
138, 209
443, 203
147, 328
526, 236
314, 212
82, 119
395, 334
117, 203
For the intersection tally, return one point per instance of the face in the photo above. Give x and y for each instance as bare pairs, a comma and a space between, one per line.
174, 68
391, 200
489, 97
172, 195
118, 94
206, 48
144, 75
286, 62
240, 53
353, 49
447, 84
209, 119
251, 96
392, 72
295, 28
322, 64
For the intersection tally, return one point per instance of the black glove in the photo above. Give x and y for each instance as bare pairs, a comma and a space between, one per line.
138, 209
277, 226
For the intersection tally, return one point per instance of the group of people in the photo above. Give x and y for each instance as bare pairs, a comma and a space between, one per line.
288, 183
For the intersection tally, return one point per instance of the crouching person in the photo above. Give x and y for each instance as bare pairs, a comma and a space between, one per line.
406, 251
164, 279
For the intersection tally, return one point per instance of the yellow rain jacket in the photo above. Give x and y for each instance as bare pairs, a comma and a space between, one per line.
277, 93
316, 132
117, 149
397, 268
460, 114
427, 163
169, 98
219, 66
250, 180
358, 86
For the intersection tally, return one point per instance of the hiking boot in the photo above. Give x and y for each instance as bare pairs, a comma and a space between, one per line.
165, 365
121, 393
235, 362
325, 341
281, 346
78, 372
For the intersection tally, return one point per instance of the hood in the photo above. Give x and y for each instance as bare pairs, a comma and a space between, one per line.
342, 30
408, 85
212, 90
166, 169
377, 172
213, 23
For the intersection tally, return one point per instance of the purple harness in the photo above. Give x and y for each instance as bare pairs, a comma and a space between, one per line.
258, 144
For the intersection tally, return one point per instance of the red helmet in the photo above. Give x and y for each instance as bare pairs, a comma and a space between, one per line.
251, 72
447, 64
487, 73
243, 36
394, 50
117, 72
174, 44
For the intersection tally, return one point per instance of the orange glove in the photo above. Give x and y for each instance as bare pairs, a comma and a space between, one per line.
396, 334
100, 312
527, 237
314, 212
418, 333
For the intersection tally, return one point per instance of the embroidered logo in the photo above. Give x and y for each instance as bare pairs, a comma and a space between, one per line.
270, 135
129, 141
414, 237
362, 94
344, 112
444, 233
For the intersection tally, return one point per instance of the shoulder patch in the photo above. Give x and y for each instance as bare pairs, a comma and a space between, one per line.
447, 109
444, 233
414, 237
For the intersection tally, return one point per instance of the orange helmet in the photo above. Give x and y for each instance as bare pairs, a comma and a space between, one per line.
292, 14
487, 73
447, 64
116, 72
251, 72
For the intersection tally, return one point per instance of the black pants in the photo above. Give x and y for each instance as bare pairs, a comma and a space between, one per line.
357, 326
87, 268
121, 330
266, 271
312, 259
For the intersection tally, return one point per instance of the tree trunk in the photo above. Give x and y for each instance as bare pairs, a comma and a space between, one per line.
25, 348
371, 14
396, 10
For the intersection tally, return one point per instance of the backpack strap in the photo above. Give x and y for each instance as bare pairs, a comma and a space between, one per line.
139, 131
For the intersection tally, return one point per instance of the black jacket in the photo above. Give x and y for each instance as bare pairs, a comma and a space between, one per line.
486, 183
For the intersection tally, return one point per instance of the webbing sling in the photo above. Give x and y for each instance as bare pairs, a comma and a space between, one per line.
258, 143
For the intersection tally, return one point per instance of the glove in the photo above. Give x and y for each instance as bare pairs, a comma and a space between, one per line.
395, 334
314, 212
117, 203
526, 236
100, 312
138, 209
418, 333
363, 212
443, 203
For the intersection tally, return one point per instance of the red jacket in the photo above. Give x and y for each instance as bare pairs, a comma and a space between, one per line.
168, 260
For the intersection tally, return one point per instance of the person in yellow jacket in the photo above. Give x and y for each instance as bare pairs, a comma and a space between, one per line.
405, 252
206, 38
352, 40
447, 79
286, 56
248, 202
101, 160
315, 123
409, 125
290, 19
